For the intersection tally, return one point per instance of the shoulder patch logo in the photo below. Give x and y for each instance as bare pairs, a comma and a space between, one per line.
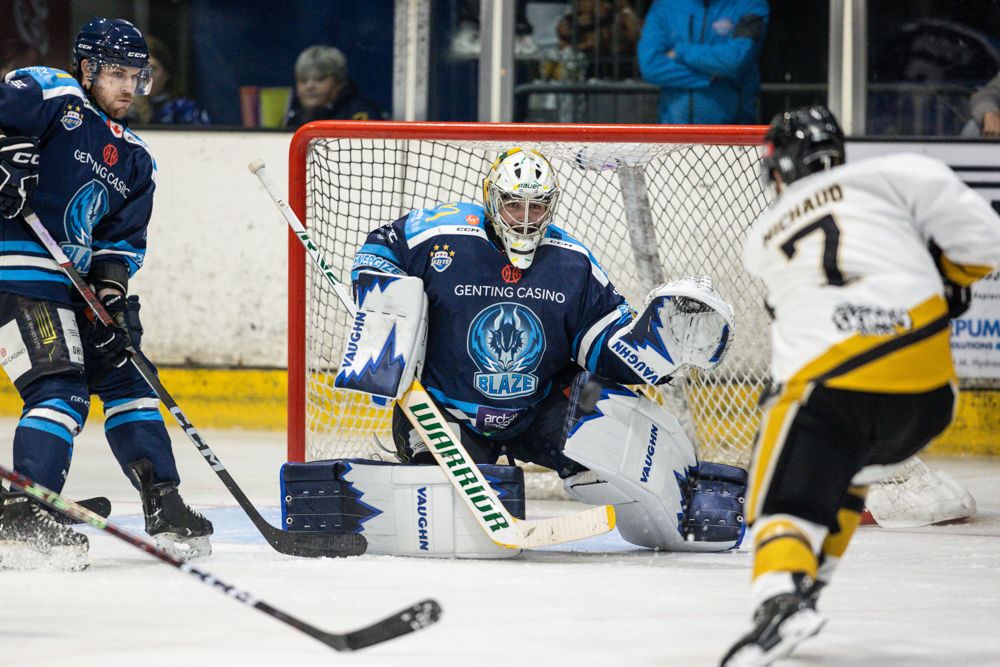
472, 220
72, 117
441, 257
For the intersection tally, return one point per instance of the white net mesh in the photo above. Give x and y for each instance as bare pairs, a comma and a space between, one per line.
649, 212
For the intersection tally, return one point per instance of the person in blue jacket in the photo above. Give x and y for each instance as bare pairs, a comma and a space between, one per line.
703, 54
66, 150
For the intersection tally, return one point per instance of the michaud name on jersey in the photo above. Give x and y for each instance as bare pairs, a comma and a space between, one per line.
825, 196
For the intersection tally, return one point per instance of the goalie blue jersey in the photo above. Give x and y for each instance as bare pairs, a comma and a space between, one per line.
95, 184
497, 336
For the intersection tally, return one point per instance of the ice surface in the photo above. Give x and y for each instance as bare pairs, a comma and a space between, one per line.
915, 597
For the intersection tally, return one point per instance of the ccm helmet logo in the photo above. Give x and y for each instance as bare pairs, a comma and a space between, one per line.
25, 158
136, 54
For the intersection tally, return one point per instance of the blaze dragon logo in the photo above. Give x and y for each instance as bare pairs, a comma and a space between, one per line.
507, 342
88, 206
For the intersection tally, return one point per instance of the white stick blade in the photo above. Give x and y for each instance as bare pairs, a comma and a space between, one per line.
568, 528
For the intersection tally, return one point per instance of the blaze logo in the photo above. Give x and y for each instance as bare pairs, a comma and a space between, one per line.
472, 220
507, 342
511, 274
110, 155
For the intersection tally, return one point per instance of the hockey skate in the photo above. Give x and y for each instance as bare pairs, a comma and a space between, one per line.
780, 624
177, 528
31, 538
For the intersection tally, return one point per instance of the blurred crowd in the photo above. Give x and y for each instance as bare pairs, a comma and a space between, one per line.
935, 72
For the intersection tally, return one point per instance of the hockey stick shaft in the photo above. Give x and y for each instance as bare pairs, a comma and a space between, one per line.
408, 620
422, 413
293, 543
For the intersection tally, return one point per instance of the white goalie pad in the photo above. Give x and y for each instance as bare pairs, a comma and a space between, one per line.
911, 495
385, 348
402, 510
683, 323
640, 460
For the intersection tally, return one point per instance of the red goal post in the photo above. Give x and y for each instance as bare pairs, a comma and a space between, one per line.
653, 202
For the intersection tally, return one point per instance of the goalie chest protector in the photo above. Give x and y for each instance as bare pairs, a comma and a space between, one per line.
403, 510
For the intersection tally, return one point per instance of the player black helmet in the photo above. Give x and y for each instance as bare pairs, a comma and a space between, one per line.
114, 42
801, 142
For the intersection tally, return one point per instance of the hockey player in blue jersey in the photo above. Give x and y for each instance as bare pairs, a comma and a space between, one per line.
528, 344
67, 151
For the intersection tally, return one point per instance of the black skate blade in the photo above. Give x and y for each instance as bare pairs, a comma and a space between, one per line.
98, 505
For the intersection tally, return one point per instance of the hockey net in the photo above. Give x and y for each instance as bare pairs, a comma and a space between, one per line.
653, 203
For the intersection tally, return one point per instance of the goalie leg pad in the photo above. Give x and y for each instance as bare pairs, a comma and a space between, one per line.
402, 510
640, 460
715, 511
385, 347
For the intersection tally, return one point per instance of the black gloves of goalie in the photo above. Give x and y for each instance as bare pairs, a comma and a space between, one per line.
110, 343
18, 173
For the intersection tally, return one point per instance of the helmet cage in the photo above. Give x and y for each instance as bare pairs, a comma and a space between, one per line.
530, 181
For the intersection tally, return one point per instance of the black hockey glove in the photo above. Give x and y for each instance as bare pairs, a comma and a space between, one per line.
110, 342
18, 173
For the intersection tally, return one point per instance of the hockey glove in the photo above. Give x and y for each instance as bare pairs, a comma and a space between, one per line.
110, 343
18, 173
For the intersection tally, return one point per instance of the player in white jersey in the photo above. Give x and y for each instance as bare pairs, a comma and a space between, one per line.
864, 266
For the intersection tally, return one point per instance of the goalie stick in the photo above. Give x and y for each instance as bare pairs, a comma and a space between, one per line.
309, 544
448, 451
411, 619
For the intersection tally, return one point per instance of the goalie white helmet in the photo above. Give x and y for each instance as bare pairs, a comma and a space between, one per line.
520, 194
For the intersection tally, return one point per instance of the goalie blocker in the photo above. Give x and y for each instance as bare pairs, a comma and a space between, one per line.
641, 461
385, 348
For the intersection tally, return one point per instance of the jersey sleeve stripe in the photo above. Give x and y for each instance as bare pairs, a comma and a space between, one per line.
28, 260
49, 93
587, 341
450, 230
33, 275
380, 250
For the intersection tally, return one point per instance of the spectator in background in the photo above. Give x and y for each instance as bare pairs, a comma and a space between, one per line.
324, 91
163, 105
606, 31
703, 54
465, 43
985, 107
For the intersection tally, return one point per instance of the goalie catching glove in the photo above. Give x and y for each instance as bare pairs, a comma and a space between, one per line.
683, 323
18, 173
